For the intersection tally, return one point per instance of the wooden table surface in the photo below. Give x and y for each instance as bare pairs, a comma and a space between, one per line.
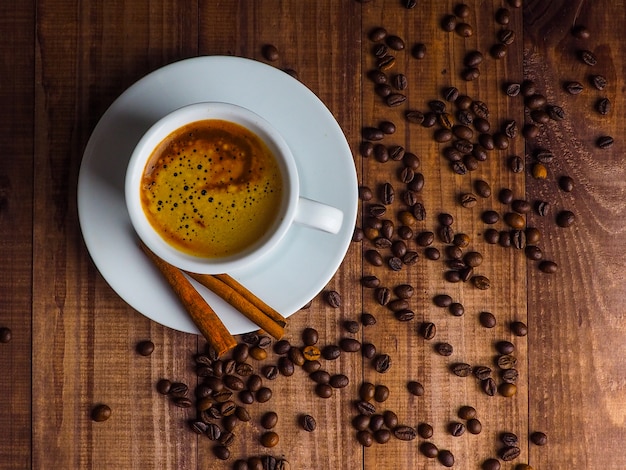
73, 339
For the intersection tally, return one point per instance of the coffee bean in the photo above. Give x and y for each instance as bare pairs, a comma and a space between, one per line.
519, 328
414, 116
588, 57
380, 50
373, 257
428, 330
565, 219
446, 458
548, 267
286, 366
599, 82
574, 88
349, 344
370, 282
492, 236
270, 372
566, 183
514, 220
539, 438
101, 413
221, 452
270, 52
442, 300
395, 263
365, 438
490, 217
331, 352
372, 133
509, 453
333, 298
487, 319
473, 59
491, 464
377, 34
386, 62
308, 423
444, 349
461, 369
506, 36
542, 208
456, 429
367, 319
339, 381
530, 131
465, 30
145, 348
383, 90
394, 42
269, 439
498, 51
383, 295
395, 99
507, 389
456, 309
398, 304
557, 113
381, 393
483, 189
512, 89
387, 193
429, 450
468, 200
263, 395
404, 291
324, 390
404, 433
604, 142
382, 363
474, 426
488, 386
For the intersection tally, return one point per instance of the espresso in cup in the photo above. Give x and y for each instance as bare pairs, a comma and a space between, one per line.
212, 188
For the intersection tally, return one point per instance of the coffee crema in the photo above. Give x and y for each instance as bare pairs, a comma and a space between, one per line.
212, 188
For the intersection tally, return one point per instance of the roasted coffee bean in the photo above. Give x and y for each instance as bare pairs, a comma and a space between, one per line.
381, 153
370, 282
308, 423
574, 88
227, 408
482, 372
270, 52
404, 433
394, 42
468, 200
565, 219
367, 319
530, 131
414, 116
416, 185
512, 89
542, 208
383, 295
387, 193
366, 149
381, 393
286, 366
179, 389
233, 382
430, 119
566, 183
399, 248
464, 29
263, 394
491, 464
182, 402
372, 133
535, 101
374, 257
467, 412
444, 349
145, 348
101, 413
365, 408
483, 189
515, 220
387, 127
320, 377
588, 57
518, 239
395, 99
490, 217
509, 453
349, 344
446, 458
377, 76
506, 361
461, 369
488, 386
492, 236
456, 429
539, 438
283, 346
580, 31
509, 375
498, 51
429, 450
377, 34
310, 354
381, 363
386, 62
406, 175
428, 330
244, 369
395, 263
599, 82
442, 300
509, 439
450, 94
324, 390
396, 152
506, 36
604, 142
415, 388
380, 50
454, 252
351, 326
269, 439
163, 386
503, 16
398, 304
487, 319
519, 328
339, 381
473, 59
333, 298
360, 422
446, 234
479, 153
418, 51
470, 74
365, 438
425, 430
221, 452
331, 352
242, 414
448, 23
383, 90
556, 113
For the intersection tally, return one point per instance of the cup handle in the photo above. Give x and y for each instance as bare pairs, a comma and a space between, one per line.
318, 215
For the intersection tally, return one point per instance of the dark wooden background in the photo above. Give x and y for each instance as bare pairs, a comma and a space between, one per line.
73, 346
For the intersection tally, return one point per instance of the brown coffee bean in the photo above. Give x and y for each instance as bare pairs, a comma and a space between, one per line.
448, 23
145, 348
487, 319
446, 458
263, 394
367, 319
307, 422
599, 82
588, 57
382, 363
519, 328
404, 291
415, 388
509, 453
324, 390
465, 30
428, 330
456, 429
381, 393
395, 99
349, 344
101, 413
605, 142
444, 349
565, 219
404, 433
331, 352
270, 52
539, 438
365, 438
488, 386
269, 439
377, 34
333, 298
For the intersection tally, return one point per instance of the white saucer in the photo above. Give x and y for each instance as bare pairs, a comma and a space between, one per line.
286, 278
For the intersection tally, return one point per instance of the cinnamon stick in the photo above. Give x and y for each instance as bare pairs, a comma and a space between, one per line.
239, 297
204, 317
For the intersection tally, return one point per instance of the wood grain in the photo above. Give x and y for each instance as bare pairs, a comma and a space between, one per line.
16, 203
74, 339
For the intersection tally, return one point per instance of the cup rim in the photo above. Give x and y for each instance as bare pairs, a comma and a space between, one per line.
198, 112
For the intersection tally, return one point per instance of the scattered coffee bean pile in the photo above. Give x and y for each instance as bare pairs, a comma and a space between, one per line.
461, 126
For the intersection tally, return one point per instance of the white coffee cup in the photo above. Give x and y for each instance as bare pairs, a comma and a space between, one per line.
294, 208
